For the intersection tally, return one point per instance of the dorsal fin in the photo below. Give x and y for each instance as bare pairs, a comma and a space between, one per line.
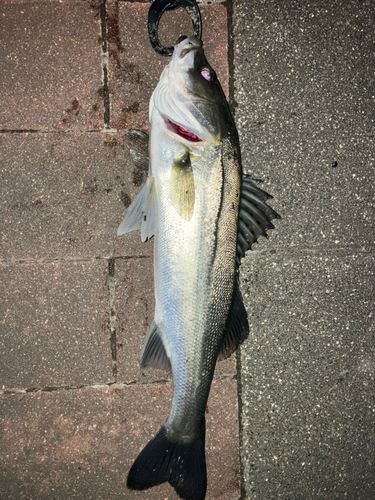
237, 327
254, 217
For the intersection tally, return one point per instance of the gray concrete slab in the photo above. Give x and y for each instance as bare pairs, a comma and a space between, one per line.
308, 377
305, 93
304, 78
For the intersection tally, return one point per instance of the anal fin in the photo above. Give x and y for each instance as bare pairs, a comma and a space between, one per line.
153, 353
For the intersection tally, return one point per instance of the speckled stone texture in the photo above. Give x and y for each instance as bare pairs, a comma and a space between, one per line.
76, 300
64, 196
54, 325
305, 91
134, 68
45, 83
80, 444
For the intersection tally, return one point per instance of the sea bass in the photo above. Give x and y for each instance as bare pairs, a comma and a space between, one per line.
203, 215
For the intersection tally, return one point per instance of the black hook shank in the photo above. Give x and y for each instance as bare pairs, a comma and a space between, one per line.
158, 8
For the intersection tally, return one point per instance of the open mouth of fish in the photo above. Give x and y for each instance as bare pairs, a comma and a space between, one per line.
181, 132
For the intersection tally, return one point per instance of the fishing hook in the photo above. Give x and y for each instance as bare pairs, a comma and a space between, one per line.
155, 13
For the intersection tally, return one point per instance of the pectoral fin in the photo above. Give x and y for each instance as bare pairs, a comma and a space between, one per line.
139, 149
182, 187
142, 212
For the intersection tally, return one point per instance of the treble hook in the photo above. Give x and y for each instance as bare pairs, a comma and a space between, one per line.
158, 8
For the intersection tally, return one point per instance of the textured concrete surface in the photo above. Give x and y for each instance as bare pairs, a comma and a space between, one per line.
305, 92
45, 82
76, 299
80, 444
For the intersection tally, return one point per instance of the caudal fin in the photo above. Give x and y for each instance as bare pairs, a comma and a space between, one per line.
182, 465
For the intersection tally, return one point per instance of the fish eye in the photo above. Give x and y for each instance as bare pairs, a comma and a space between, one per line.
207, 75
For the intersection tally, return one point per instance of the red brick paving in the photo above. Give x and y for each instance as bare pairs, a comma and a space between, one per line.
45, 82
80, 444
54, 325
63, 196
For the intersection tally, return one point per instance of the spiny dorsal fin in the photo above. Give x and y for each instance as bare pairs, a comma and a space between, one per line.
153, 353
254, 217
237, 327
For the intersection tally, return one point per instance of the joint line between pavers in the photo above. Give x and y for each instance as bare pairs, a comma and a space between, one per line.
50, 131
105, 130
114, 385
104, 62
233, 105
240, 426
112, 314
200, 2
51, 261
228, 4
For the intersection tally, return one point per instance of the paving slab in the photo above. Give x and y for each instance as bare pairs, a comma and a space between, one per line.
64, 195
54, 325
134, 67
305, 93
305, 112
50, 65
80, 444
308, 377
135, 305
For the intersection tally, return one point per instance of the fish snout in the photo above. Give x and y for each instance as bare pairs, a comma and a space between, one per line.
187, 44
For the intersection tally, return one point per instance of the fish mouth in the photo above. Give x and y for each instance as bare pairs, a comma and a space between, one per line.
187, 50
185, 134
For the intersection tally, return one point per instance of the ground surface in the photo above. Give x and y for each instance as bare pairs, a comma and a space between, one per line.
77, 300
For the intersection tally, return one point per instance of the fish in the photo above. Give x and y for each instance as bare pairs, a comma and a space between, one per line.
203, 214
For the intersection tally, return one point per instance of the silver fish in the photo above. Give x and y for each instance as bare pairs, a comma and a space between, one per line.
203, 215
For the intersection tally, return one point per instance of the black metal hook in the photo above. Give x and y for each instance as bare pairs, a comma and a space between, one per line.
158, 8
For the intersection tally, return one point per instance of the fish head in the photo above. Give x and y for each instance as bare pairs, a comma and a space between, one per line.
189, 95
191, 69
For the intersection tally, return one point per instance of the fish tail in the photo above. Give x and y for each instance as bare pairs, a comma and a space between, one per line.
182, 465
